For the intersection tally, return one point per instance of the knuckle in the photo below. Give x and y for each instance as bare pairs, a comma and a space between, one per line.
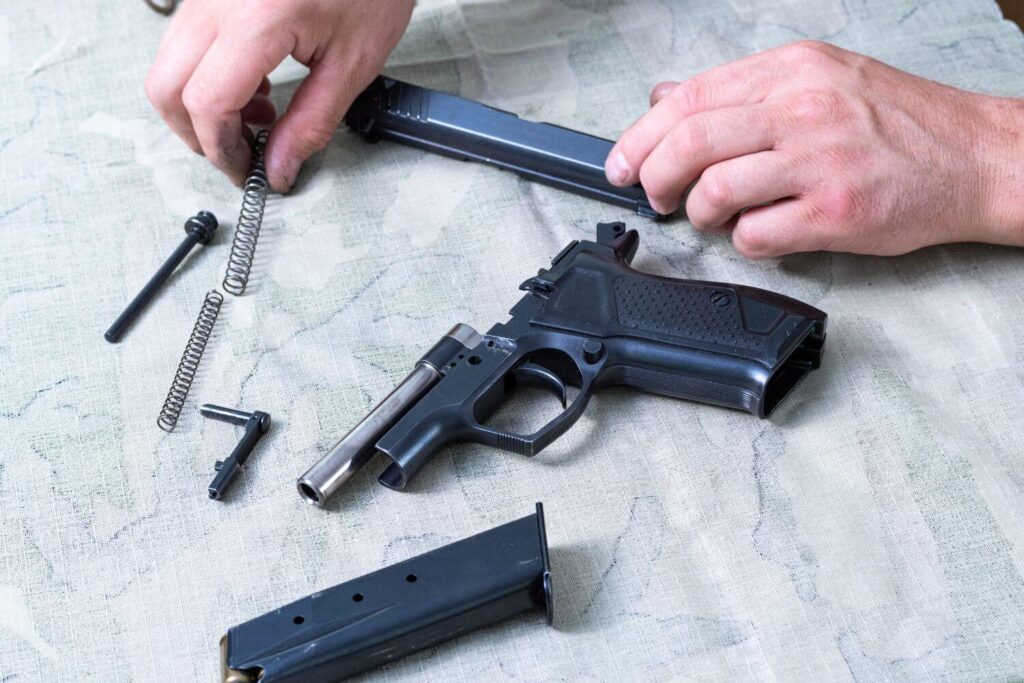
626, 146
840, 204
160, 94
658, 185
861, 67
195, 99
813, 51
751, 242
690, 138
653, 180
689, 96
636, 145
716, 189
697, 213
819, 107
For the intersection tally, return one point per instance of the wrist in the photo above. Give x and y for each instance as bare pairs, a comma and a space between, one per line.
1001, 156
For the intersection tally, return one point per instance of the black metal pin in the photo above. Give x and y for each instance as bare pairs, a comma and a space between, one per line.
198, 230
256, 425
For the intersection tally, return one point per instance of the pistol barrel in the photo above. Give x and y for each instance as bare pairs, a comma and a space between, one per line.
357, 447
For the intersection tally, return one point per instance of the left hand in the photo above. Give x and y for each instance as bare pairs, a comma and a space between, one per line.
810, 147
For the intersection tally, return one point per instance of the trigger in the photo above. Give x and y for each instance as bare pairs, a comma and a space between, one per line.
539, 377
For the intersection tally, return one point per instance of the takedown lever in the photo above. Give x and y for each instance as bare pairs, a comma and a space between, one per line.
256, 425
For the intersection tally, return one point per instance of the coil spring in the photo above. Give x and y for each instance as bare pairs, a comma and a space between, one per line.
189, 364
250, 219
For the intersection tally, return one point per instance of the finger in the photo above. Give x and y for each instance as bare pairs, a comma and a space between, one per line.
746, 81
700, 141
661, 90
730, 186
173, 66
226, 80
260, 111
179, 20
785, 227
312, 118
724, 229
264, 88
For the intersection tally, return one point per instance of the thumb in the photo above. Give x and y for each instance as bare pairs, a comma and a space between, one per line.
313, 115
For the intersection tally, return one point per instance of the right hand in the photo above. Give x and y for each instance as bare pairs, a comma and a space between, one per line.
811, 147
209, 78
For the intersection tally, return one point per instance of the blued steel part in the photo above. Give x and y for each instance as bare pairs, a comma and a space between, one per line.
235, 417
447, 349
460, 128
399, 610
357, 447
256, 425
198, 230
592, 321
465, 335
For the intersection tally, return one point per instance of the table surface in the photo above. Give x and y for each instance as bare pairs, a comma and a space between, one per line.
871, 529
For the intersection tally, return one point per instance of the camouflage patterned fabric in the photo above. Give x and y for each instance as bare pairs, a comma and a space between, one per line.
871, 529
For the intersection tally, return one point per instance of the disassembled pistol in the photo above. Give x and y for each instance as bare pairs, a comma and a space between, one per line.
589, 321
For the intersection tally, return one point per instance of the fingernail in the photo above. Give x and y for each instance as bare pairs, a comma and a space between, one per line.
290, 172
661, 90
616, 168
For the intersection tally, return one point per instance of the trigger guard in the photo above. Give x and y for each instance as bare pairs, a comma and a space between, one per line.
539, 377
531, 444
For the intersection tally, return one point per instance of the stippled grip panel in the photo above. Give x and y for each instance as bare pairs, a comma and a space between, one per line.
696, 312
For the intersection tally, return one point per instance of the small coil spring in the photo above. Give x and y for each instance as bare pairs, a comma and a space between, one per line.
189, 364
250, 219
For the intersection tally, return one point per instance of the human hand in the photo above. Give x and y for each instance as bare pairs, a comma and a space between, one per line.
209, 78
810, 147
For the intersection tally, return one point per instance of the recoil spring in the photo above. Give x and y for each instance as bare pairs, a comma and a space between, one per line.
189, 364
250, 219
